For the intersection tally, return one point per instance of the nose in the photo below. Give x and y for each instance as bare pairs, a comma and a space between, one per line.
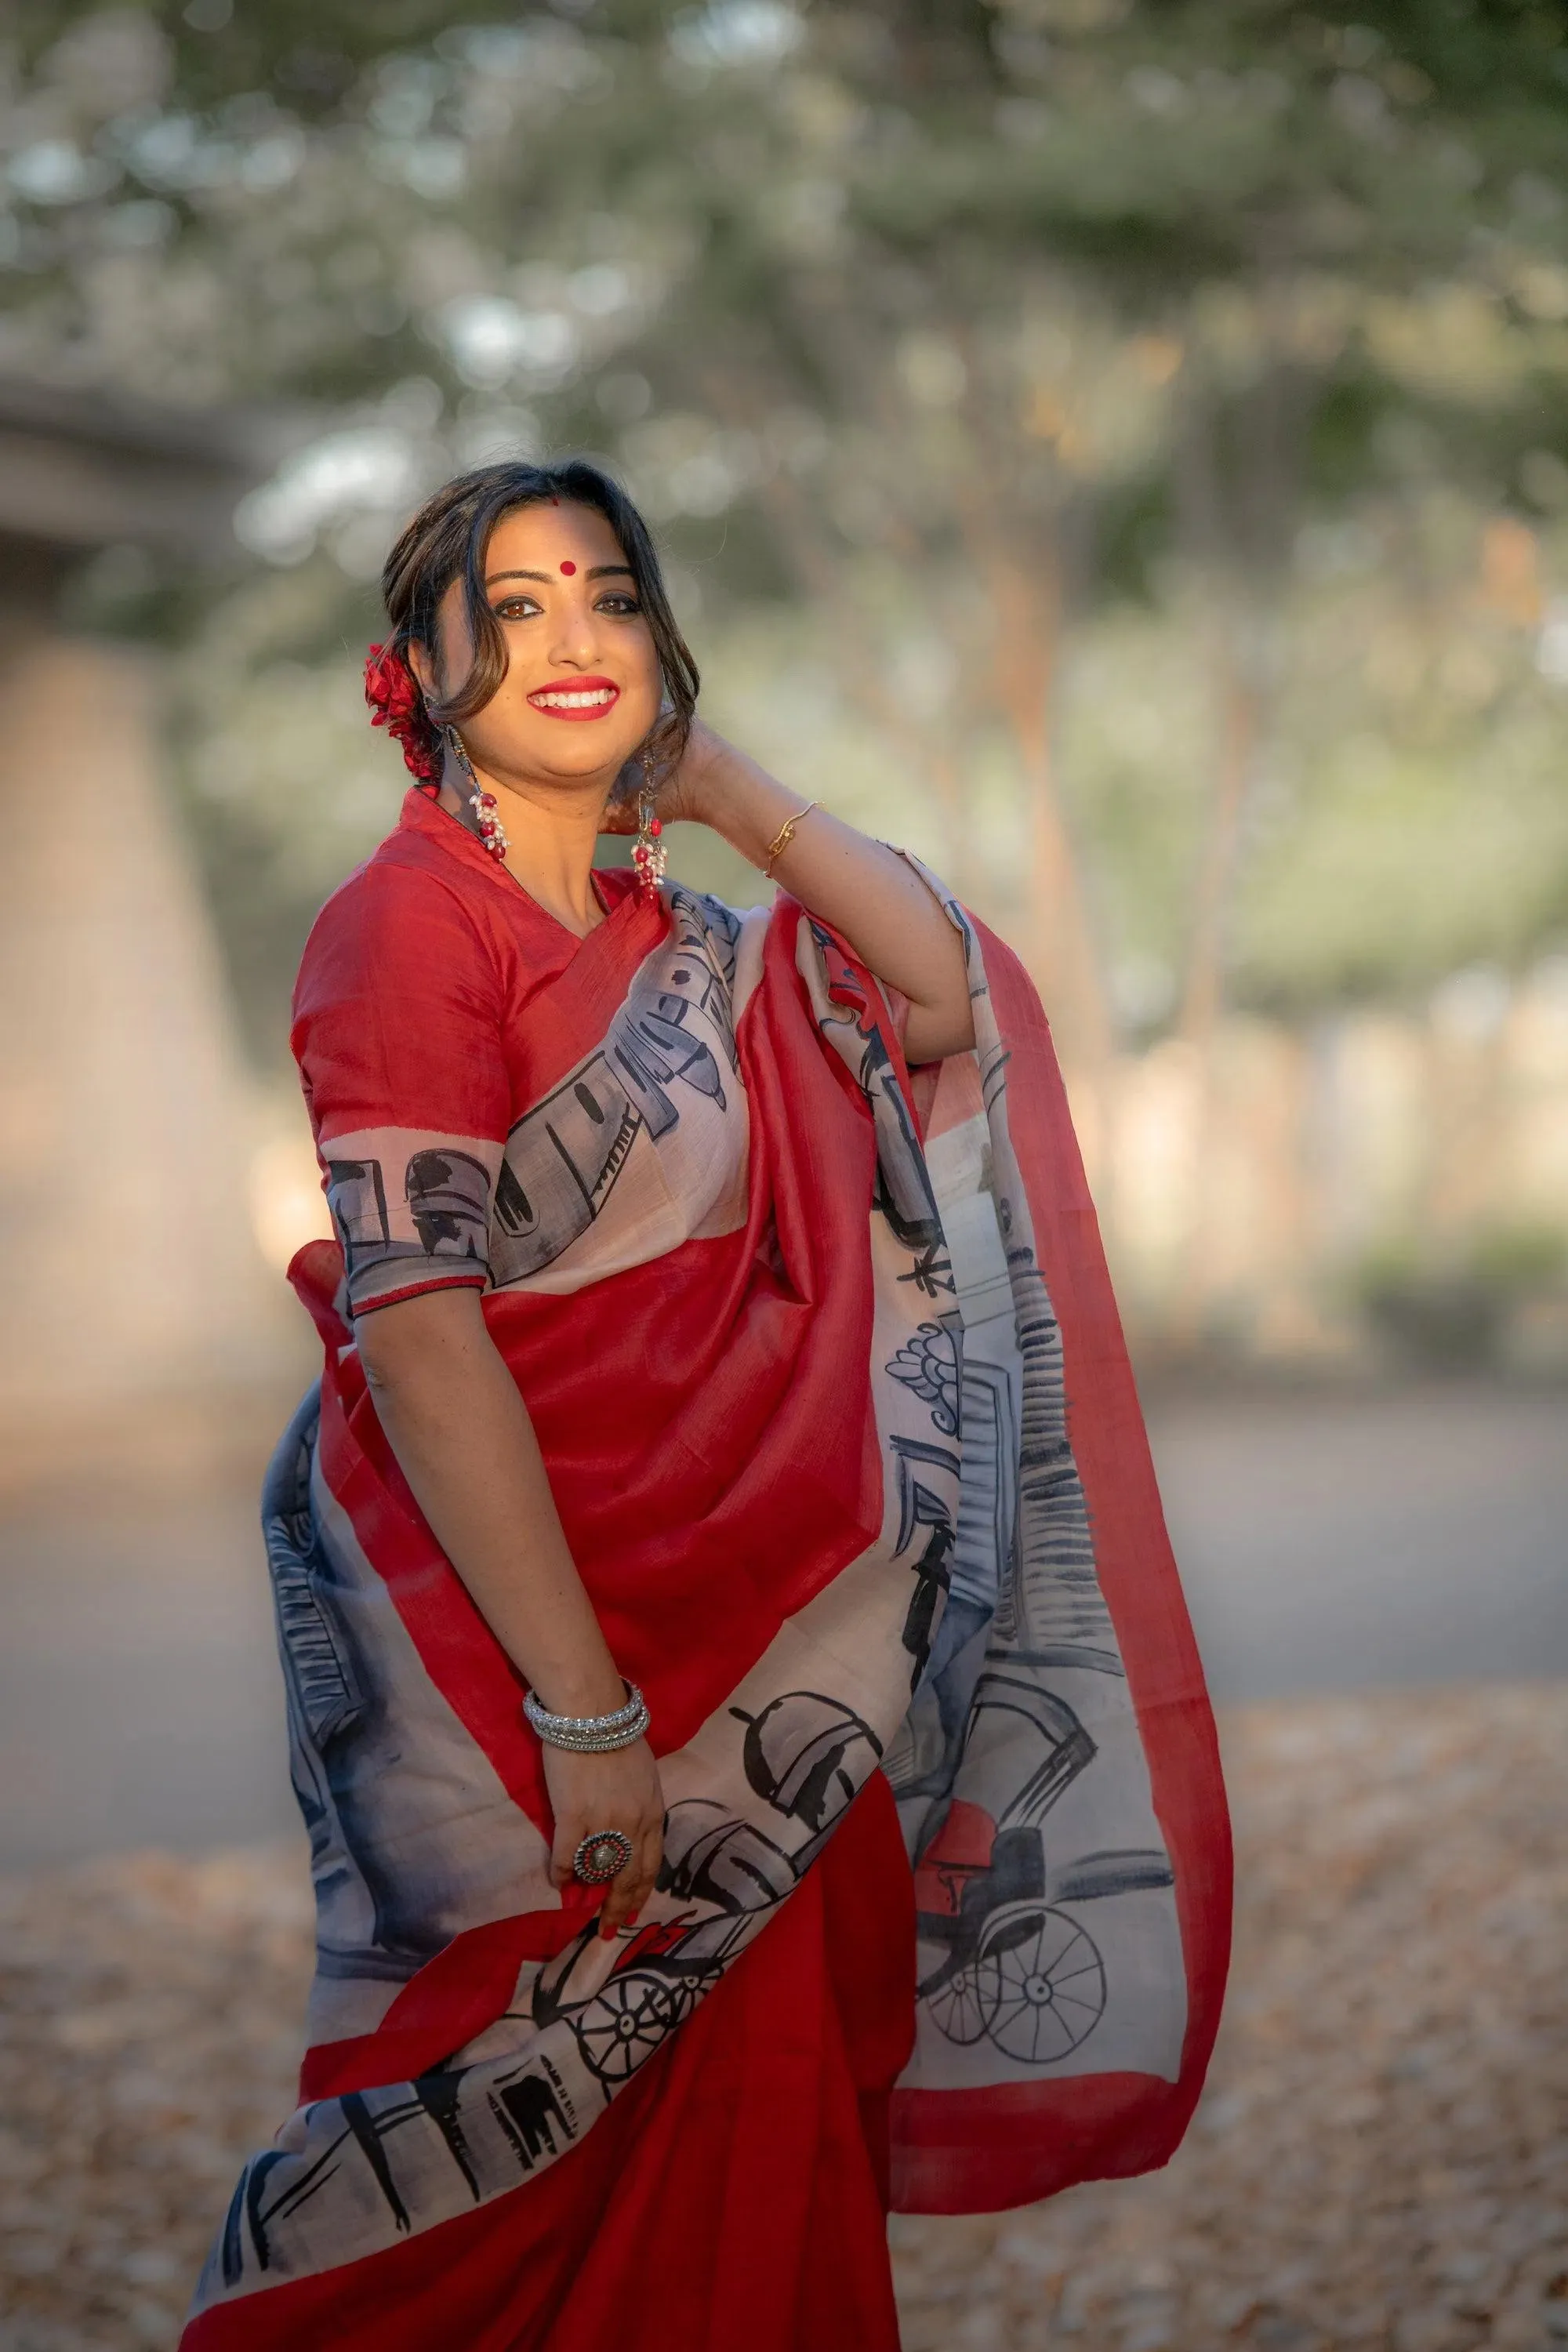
575, 642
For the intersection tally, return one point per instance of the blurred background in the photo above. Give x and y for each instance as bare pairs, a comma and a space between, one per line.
1120, 450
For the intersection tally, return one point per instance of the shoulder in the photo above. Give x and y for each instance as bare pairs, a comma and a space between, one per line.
404, 913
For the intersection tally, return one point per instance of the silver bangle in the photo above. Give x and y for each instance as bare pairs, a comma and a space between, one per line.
590, 1735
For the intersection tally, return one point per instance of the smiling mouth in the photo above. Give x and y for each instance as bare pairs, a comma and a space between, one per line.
590, 699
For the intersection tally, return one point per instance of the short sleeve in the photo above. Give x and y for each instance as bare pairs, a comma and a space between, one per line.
398, 1034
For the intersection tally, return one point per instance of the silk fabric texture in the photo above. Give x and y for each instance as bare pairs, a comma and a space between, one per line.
828, 1378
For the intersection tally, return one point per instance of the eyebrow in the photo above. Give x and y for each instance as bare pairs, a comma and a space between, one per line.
594, 571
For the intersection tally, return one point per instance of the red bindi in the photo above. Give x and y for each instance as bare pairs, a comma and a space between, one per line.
569, 568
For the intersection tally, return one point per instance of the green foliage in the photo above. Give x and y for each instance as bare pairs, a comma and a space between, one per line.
1037, 379
1450, 1313
1521, 1261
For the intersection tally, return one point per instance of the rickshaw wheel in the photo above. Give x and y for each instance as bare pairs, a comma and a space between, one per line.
686, 1991
959, 2007
1042, 1984
625, 2023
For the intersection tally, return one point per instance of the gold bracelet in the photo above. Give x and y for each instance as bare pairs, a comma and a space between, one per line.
783, 836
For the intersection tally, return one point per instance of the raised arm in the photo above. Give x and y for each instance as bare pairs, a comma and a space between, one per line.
859, 887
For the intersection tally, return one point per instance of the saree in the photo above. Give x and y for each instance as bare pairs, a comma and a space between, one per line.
822, 1357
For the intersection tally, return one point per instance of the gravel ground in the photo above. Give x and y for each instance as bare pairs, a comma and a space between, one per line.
1380, 2158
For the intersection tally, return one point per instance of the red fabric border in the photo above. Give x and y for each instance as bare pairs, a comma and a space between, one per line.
418, 1290
453, 1998
729, 2195
787, 1358
765, 1518
982, 2150
952, 2151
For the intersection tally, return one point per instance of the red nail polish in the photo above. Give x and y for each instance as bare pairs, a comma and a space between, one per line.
632, 1919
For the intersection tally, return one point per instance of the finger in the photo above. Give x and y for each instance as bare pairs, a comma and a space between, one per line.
629, 1892
568, 1838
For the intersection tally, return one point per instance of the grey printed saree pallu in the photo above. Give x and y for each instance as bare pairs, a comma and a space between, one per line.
825, 1365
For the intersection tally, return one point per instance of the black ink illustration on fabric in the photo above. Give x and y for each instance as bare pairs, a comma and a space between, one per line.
1017, 1968
1041, 1883
356, 1195
1008, 1604
673, 1036
531, 2115
924, 1517
932, 1272
853, 1028
807, 1757
929, 1363
358, 1697
446, 1195
672, 1039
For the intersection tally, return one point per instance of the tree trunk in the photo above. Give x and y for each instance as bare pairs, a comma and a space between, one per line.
1060, 948
1238, 704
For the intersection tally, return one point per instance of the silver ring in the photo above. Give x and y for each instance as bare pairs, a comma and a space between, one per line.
604, 1854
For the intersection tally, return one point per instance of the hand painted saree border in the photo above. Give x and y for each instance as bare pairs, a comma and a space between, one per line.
1006, 2143
1020, 1581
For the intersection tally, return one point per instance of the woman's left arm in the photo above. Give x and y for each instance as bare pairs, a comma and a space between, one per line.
860, 888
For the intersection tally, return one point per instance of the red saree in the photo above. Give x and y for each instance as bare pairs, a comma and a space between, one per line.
826, 1369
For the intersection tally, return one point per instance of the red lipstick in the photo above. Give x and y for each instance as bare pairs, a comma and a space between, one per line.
575, 698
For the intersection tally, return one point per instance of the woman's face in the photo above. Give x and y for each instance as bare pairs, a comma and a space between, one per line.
581, 687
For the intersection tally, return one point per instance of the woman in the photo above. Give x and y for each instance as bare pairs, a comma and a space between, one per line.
755, 1759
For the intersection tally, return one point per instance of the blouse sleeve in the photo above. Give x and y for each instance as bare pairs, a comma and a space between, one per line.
397, 1033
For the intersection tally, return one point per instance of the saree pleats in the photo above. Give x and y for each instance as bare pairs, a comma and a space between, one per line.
735, 2195
825, 1366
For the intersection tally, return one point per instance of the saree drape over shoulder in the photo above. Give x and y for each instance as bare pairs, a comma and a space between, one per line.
828, 1376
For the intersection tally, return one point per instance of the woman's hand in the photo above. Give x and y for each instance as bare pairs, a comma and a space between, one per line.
616, 1790
860, 888
461, 1433
685, 795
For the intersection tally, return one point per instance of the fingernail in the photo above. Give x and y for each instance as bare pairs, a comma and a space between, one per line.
632, 1919
607, 1934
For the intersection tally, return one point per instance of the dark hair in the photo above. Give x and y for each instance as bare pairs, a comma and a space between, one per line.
447, 540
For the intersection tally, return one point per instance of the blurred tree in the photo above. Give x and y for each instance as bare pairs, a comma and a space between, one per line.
958, 321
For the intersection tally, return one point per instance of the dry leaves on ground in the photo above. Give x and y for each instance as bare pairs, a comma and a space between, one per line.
1380, 2158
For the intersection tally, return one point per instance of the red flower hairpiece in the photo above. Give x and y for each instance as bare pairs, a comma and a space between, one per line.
395, 703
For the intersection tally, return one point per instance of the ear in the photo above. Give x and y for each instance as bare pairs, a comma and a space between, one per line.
424, 670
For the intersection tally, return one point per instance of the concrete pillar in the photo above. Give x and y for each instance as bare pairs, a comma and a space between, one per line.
128, 1265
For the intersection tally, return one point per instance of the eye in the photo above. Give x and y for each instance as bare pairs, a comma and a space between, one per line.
620, 602
516, 608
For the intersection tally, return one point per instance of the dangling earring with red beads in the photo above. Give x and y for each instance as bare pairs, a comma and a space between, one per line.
649, 855
487, 824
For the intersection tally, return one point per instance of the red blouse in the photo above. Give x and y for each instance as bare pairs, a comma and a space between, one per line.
419, 1059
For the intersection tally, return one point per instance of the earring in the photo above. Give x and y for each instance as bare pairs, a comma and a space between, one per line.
487, 824
649, 854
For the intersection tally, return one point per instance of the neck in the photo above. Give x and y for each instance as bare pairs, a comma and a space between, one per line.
552, 831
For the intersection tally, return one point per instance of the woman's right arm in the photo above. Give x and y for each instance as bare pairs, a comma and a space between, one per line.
464, 1441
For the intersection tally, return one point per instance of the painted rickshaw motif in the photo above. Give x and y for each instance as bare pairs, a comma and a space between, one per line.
1049, 1940
1018, 1969
807, 1757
